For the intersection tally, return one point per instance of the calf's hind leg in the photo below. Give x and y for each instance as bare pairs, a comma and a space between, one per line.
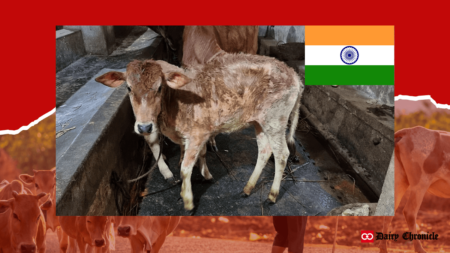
202, 164
264, 152
281, 153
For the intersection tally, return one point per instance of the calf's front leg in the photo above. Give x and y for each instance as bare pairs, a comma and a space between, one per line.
190, 157
153, 142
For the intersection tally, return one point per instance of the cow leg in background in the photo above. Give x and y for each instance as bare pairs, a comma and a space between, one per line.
63, 240
386, 222
280, 150
264, 152
81, 244
105, 249
401, 186
90, 249
415, 197
159, 242
212, 143
202, 164
43, 247
136, 245
153, 142
194, 146
72, 245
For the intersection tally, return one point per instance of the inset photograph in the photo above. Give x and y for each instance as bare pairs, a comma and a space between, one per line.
225, 112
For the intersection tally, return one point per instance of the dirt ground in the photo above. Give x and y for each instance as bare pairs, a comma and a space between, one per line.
175, 244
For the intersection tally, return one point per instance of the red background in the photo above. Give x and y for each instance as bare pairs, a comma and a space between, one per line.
28, 38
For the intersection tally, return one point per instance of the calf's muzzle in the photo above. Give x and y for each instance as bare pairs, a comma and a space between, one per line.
99, 243
145, 128
27, 248
124, 231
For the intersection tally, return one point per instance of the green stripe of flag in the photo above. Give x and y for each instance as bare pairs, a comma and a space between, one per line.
349, 75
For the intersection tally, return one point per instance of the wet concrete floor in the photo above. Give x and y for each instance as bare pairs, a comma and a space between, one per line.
320, 185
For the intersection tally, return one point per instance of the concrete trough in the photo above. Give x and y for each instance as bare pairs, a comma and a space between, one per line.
69, 47
96, 140
364, 131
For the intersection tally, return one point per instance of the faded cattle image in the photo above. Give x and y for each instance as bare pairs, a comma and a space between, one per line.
422, 170
213, 120
27, 188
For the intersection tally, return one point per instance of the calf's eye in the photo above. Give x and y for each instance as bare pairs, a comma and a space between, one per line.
128, 88
15, 216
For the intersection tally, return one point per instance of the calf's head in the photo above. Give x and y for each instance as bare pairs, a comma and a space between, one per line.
96, 226
42, 181
146, 81
25, 215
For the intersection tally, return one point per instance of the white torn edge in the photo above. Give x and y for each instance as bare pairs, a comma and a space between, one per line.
14, 132
424, 97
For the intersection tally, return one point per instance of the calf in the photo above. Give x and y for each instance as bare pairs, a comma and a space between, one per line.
227, 94
7, 188
43, 181
87, 231
147, 234
197, 45
22, 225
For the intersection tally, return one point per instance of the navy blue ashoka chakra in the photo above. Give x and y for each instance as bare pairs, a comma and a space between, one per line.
349, 55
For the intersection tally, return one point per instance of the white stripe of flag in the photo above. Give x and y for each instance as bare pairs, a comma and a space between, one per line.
331, 55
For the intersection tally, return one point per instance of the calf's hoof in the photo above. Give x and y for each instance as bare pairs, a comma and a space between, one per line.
173, 181
188, 205
189, 212
209, 180
248, 189
244, 195
272, 197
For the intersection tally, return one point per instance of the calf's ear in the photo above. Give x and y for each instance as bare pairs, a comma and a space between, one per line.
112, 79
5, 205
27, 179
47, 205
176, 80
41, 195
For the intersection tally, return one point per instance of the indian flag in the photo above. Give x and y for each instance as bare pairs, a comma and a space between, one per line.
349, 55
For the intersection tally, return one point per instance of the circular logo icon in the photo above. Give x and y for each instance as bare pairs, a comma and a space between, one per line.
349, 55
366, 236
